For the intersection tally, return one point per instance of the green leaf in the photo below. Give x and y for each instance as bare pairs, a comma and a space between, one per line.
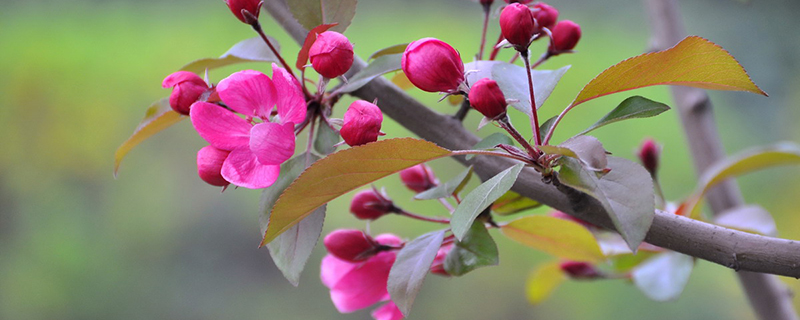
398, 48
750, 218
545, 127
512, 202
694, 62
630, 108
490, 142
248, 50
410, 268
626, 194
587, 149
376, 68
663, 277
311, 13
543, 281
327, 137
345, 171
476, 250
159, 116
302, 55
481, 198
513, 81
448, 188
562, 238
291, 249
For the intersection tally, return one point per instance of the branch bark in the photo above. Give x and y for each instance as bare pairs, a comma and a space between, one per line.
727, 247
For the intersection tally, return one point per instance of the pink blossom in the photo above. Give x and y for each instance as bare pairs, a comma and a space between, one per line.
362, 123
388, 311
486, 97
209, 165
419, 178
565, 36
518, 25
187, 88
256, 151
433, 65
331, 54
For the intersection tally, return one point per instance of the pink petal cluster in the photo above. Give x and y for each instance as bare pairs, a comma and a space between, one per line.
187, 88
433, 65
358, 285
362, 123
255, 151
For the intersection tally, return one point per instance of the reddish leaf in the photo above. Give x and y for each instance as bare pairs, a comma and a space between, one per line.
343, 172
694, 62
302, 56
158, 117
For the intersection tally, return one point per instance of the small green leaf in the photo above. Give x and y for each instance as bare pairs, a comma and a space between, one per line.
545, 127
345, 171
290, 251
589, 150
631, 108
512, 202
750, 218
376, 68
490, 142
481, 198
311, 13
562, 238
398, 48
476, 250
448, 188
248, 50
159, 116
327, 137
513, 81
663, 277
543, 281
410, 268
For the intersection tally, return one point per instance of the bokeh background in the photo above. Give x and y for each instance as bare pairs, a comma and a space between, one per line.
157, 243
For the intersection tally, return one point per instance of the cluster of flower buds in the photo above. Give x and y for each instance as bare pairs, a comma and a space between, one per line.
331, 54
434, 66
521, 24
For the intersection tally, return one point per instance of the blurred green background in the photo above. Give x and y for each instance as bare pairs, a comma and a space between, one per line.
157, 243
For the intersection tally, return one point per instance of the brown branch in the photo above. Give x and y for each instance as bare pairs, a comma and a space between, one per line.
727, 247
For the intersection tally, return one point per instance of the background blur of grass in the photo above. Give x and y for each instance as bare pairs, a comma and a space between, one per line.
157, 243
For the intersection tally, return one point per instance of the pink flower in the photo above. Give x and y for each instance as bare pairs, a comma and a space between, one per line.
358, 285
362, 123
419, 178
518, 25
486, 97
252, 6
209, 165
388, 311
565, 36
331, 54
256, 151
350, 245
545, 15
187, 88
433, 65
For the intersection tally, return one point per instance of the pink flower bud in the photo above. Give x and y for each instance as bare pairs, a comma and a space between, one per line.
209, 165
486, 97
252, 6
362, 123
370, 205
565, 36
519, 1
545, 15
419, 178
187, 89
518, 25
433, 65
351, 245
580, 270
649, 153
331, 54
437, 267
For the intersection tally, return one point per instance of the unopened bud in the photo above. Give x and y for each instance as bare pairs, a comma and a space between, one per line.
565, 36
437, 267
486, 97
370, 205
433, 65
187, 88
331, 54
518, 25
351, 245
580, 270
362, 123
545, 15
251, 6
419, 178
649, 153
209, 165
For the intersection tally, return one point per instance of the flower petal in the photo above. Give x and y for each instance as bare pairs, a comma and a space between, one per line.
333, 269
242, 168
364, 285
388, 311
182, 76
291, 101
272, 143
221, 128
248, 92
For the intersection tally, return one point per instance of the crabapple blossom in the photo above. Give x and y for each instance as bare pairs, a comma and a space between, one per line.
187, 88
362, 123
252, 6
419, 178
370, 205
433, 65
331, 54
565, 36
486, 97
351, 245
209, 165
518, 25
649, 153
545, 15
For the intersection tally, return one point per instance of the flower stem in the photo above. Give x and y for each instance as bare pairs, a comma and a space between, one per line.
534, 118
421, 217
486, 11
257, 27
489, 153
505, 123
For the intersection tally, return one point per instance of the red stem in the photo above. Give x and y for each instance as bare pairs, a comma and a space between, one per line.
535, 117
421, 217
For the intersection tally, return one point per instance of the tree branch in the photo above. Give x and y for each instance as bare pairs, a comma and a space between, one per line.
727, 247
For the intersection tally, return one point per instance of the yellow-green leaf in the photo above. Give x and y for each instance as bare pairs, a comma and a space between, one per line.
561, 238
694, 62
512, 202
343, 172
543, 281
159, 116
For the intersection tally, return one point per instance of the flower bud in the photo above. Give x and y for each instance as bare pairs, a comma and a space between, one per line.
252, 6
331, 54
437, 267
518, 25
649, 153
419, 178
362, 123
433, 65
351, 245
545, 15
565, 36
520, 1
486, 97
209, 165
580, 270
187, 88
370, 205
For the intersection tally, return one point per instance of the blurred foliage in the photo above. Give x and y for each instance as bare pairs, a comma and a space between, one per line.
158, 243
